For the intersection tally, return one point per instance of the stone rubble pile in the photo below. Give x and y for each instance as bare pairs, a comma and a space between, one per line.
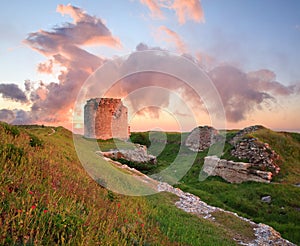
258, 153
202, 137
240, 134
138, 154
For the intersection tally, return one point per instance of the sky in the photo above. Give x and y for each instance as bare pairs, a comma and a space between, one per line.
249, 50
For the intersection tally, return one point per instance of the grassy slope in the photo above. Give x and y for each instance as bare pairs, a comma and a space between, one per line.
48, 198
245, 199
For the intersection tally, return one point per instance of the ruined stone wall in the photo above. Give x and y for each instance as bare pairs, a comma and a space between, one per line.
234, 172
202, 137
105, 118
90, 110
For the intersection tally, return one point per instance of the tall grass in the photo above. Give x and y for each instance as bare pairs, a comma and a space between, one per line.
47, 198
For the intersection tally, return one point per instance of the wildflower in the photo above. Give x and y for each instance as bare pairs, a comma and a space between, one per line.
125, 221
19, 210
45, 211
118, 205
142, 225
139, 212
33, 207
30, 192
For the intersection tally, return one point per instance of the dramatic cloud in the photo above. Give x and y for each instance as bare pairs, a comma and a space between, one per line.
64, 47
7, 115
16, 116
13, 92
238, 96
242, 92
184, 9
265, 80
174, 38
45, 67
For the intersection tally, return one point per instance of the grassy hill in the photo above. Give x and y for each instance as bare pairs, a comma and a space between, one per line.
283, 213
47, 198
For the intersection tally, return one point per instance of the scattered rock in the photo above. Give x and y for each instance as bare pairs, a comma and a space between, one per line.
266, 199
202, 137
234, 172
265, 235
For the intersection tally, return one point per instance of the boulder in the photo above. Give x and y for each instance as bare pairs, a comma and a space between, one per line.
234, 172
138, 154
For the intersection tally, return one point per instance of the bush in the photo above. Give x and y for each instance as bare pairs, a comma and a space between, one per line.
140, 138
35, 141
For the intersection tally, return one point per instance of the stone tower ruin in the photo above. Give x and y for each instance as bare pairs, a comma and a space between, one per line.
105, 118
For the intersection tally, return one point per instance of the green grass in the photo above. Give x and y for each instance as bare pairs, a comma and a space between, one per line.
245, 199
48, 198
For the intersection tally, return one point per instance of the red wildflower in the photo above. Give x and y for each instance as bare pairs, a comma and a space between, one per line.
139, 212
142, 225
45, 211
33, 207
30, 192
118, 205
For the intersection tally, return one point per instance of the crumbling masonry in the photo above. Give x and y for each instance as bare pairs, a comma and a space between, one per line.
105, 118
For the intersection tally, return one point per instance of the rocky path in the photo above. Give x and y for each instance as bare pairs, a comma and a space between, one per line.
264, 234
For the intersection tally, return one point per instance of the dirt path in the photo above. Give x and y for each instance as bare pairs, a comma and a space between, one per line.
52, 132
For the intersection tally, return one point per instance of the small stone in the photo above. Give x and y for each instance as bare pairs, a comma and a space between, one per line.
266, 199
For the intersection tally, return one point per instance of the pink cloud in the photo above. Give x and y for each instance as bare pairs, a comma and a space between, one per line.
174, 38
153, 7
184, 9
64, 46
45, 67
188, 9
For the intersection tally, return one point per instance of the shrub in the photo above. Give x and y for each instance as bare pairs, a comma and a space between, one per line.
140, 138
35, 141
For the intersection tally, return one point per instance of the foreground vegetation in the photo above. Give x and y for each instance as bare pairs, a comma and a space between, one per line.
47, 198
283, 213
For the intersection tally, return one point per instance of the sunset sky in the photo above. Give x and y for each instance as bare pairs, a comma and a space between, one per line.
250, 51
